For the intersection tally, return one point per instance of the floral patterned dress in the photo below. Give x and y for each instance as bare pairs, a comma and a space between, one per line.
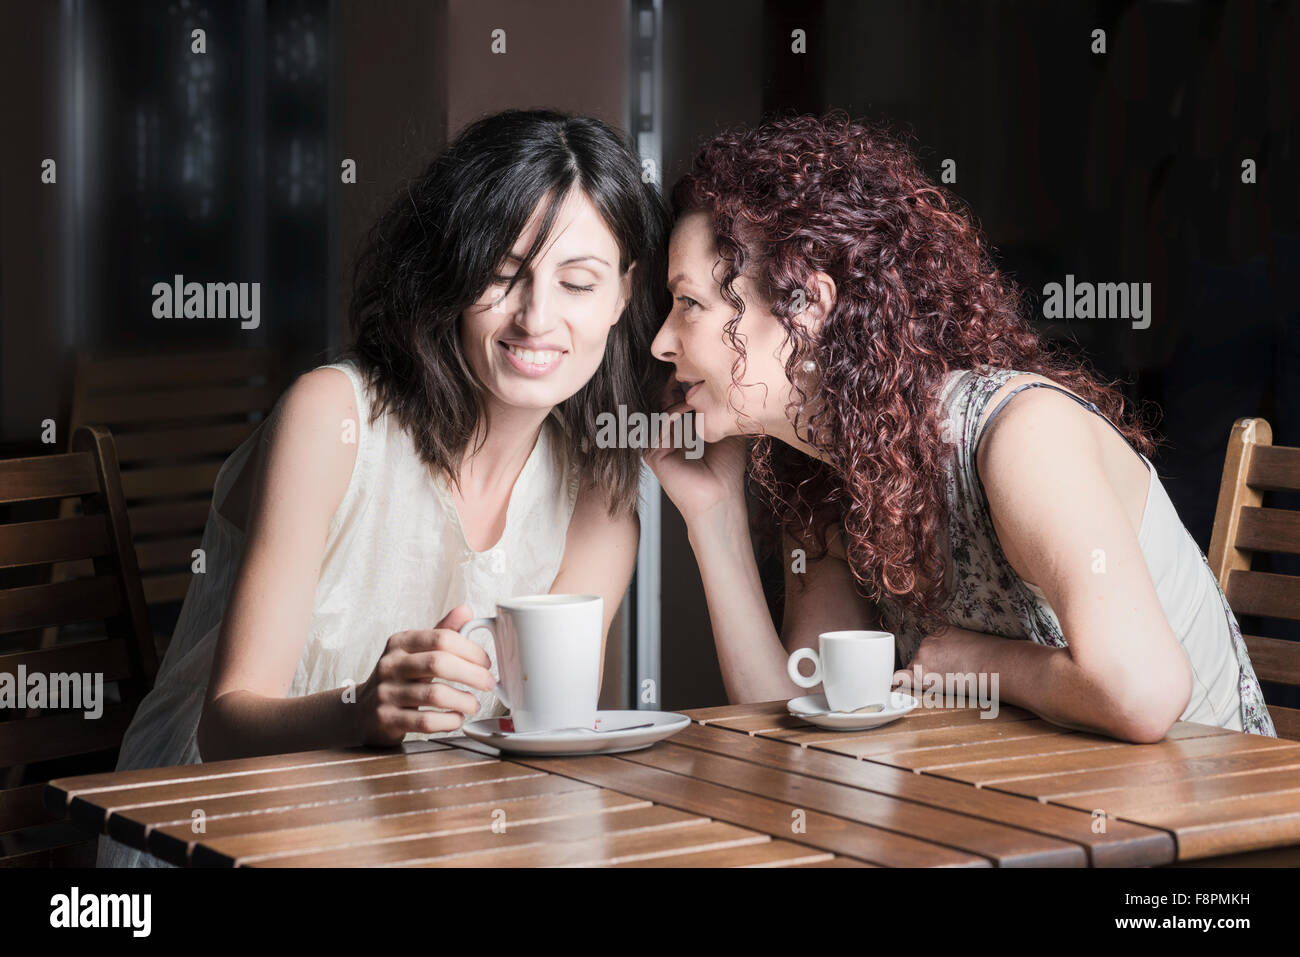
988, 595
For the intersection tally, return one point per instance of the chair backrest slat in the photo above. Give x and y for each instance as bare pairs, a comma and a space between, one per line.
98, 656
63, 735
29, 480
1264, 594
1244, 527
1275, 469
53, 540
175, 420
66, 710
59, 603
1269, 530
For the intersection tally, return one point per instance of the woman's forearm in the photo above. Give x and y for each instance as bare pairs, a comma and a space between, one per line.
1047, 681
750, 652
241, 724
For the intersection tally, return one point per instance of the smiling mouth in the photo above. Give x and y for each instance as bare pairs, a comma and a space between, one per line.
532, 361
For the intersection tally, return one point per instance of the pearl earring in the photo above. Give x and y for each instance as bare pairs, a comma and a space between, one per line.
809, 366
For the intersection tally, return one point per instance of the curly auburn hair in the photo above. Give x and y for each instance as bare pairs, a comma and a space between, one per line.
916, 296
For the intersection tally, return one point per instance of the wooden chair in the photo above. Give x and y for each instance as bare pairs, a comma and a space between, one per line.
30, 835
175, 419
1242, 527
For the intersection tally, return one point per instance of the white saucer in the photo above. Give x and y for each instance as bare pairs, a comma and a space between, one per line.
496, 732
813, 709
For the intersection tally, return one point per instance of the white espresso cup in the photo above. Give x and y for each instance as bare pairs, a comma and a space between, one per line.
548, 659
854, 668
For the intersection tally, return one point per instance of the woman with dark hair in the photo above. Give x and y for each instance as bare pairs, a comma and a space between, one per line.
833, 302
507, 296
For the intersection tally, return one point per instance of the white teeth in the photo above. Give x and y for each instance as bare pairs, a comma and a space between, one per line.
535, 358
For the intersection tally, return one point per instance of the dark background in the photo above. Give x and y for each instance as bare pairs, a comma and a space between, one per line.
1115, 167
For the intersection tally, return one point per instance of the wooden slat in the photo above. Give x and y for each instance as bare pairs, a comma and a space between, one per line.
768, 853
160, 589
47, 476
1274, 659
970, 722
1269, 530
1056, 747
1224, 789
1124, 846
63, 791
173, 838
1264, 594
446, 832
169, 517
1222, 827
35, 606
106, 656
1008, 771
100, 805
183, 443
1082, 781
826, 832
176, 405
166, 552
706, 715
1275, 468
42, 738
1286, 721
836, 862
170, 480
53, 540
919, 735
1004, 845
697, 836
99, 373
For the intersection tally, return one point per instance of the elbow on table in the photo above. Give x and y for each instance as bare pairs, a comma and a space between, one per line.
208, 736
1153, 707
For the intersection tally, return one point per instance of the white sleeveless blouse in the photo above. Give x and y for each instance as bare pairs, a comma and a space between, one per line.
395, 559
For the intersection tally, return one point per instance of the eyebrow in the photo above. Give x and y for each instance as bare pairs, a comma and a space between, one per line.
680, 278
568, 262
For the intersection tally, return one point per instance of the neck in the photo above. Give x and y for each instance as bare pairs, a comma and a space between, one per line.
785, 432
500, 447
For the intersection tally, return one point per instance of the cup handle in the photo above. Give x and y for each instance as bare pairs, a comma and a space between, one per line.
490, 625
792, 668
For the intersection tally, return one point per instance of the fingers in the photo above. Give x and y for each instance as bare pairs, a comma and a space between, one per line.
425, 665
440, 639
434, 694
406, 720
456, 618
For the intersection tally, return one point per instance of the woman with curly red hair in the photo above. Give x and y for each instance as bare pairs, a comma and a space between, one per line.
835, 307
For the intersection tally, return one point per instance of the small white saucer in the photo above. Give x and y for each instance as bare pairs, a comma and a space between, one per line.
813, 709
499, 733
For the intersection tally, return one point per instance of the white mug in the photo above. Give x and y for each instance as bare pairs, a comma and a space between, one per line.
548, 659
855, 668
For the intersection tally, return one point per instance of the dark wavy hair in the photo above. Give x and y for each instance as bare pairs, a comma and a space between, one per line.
436, 249
917, 296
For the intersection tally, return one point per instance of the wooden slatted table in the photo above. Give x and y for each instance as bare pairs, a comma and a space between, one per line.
744, 785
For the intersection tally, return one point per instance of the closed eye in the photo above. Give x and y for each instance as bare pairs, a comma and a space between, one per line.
573, 287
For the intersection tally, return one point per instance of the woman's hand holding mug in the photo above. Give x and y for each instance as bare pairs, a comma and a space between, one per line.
403, 680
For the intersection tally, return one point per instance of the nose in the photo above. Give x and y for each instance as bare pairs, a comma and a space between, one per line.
534, 315
665, 345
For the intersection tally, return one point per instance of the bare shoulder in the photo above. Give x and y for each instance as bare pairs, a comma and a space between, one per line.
302, 447
591, 513
1035, 416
